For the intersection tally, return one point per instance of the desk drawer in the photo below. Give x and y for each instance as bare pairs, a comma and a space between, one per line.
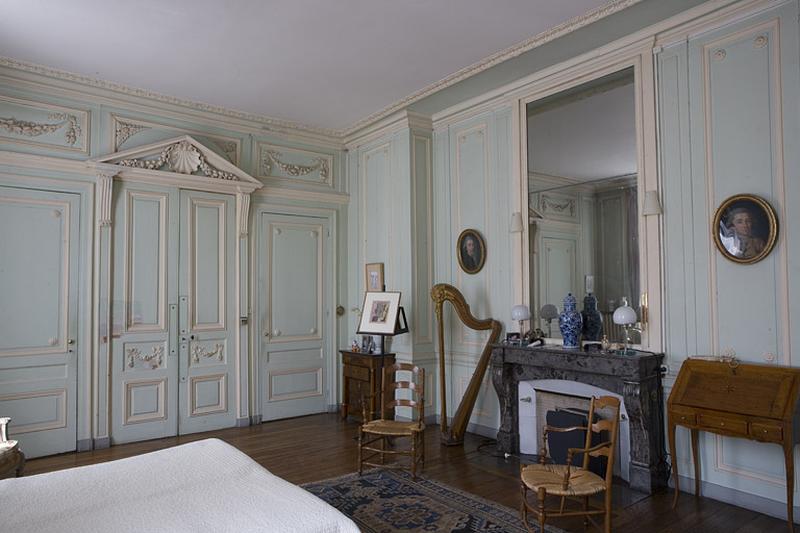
723, 423
356, 372
766, 431
682, 416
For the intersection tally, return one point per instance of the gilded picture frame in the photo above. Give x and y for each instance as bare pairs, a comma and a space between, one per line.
745, 228
471, 251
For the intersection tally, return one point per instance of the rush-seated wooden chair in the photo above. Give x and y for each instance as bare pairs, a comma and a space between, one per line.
384, 428
568, 481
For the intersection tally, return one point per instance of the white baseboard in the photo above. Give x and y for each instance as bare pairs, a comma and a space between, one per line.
738, 498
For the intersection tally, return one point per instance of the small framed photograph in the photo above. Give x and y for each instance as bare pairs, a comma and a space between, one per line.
379, 313
367, 344
374, 277
745, 228
471, 251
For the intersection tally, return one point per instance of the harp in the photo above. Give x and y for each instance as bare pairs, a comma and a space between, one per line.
441, 293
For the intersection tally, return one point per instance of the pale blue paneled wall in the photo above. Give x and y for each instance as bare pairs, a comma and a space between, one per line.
729, 125
390, 214
41, 116
472, 189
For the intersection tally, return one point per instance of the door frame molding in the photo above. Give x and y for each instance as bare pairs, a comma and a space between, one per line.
86, 367
137, 165
260, 207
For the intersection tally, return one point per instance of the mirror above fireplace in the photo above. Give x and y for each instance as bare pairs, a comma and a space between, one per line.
583, 199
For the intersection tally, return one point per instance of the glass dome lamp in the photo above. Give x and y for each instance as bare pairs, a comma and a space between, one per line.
548, 313
625, 316
521, 313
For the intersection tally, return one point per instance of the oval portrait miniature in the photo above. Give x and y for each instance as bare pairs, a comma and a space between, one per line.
471, 251
745, 228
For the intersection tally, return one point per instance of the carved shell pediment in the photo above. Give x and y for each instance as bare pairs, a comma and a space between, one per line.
184, 156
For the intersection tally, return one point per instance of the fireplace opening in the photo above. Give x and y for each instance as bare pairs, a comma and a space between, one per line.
538, 397
558, 443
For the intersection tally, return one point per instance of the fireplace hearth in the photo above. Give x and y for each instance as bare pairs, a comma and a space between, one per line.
636, 378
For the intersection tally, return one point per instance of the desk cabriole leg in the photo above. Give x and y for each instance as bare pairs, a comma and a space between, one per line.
696, 461
788, 453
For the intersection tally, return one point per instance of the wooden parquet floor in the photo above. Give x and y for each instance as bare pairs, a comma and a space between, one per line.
322, 446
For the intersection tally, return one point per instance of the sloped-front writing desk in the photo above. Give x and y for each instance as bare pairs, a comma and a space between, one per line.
757, 402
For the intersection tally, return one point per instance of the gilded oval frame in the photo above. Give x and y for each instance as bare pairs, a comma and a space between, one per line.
765, 214
460, 246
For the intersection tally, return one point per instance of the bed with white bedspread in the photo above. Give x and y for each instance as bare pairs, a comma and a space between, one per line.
205, 486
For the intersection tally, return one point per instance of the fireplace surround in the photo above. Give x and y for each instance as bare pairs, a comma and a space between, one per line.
636, 378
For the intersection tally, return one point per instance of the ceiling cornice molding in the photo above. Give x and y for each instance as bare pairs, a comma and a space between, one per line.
400, 120
540, 39
127, 90
569, 26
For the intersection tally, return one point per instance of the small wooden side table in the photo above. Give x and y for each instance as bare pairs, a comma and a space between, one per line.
12, 460
362, 375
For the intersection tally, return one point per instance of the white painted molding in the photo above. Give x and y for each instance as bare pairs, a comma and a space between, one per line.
182, 155
51, 72
105, 181
242, 213
284, 193
75, 123
569, 26
125, 127
677, 28
399, 121
43, 162
504, 55
669, 30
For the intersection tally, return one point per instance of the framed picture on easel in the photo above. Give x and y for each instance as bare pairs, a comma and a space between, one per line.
379, 313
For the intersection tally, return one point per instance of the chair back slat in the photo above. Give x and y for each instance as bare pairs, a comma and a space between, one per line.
401, 402
403, 385
609, 424
602, 452
407, 377
603, 425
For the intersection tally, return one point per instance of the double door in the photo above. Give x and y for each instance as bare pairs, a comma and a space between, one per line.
173, 312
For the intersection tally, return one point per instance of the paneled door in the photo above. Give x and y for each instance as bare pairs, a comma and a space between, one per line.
39, 252
144, 313
207, 309
294, 266
173, 314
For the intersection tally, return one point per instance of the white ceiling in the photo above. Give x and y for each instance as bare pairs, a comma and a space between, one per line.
317, 62
586, 139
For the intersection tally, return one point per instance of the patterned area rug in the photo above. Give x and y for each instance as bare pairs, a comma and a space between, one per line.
381, 501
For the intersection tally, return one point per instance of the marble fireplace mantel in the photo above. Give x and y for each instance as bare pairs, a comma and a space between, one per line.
637, 378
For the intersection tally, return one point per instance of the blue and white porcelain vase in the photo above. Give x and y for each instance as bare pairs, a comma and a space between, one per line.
592, 319
570, 322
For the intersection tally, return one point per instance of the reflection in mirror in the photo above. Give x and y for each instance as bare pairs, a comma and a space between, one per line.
582, 183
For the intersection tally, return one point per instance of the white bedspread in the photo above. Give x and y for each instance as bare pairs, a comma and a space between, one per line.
206, 486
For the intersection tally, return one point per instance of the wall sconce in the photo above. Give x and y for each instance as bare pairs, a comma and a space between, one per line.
652, 204
516, 222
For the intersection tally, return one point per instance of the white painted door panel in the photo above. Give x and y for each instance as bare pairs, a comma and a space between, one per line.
38, 311
558, 272
144, 358
208, 315
293, 263
174, 313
